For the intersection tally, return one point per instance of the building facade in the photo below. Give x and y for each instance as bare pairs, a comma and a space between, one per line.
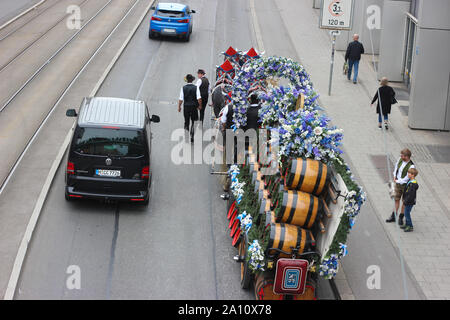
413, 43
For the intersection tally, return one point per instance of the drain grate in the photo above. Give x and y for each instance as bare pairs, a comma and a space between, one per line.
440, 154
420, 152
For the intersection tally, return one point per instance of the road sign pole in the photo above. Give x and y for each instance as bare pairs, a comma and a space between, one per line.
333, 45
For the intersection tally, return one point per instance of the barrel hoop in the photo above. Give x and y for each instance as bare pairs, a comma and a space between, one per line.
304, 236
318, 179
282, 236
288, 178
294, 197
299, 239
302, 174
321, 206
272, 235
325, 177
310, 210
297, 177
286, 203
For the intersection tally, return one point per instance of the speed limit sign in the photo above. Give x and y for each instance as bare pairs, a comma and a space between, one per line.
336, 14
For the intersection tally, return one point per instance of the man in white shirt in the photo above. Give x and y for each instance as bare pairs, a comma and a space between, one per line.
400, 174
190, 96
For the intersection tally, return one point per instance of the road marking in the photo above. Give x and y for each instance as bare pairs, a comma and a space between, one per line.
255, 22
14, 277
21, 14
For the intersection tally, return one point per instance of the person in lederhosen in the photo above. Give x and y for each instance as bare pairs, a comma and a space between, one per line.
203, 84
192, 100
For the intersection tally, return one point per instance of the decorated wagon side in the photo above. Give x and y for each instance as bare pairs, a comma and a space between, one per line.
293, 199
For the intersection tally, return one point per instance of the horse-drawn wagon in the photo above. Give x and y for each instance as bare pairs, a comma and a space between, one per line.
293, 198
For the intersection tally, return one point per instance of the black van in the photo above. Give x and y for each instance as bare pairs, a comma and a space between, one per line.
109, 155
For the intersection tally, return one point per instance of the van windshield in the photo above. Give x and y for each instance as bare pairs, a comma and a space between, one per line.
109, 142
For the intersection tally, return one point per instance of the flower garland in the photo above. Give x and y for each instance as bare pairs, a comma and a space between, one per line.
237, 188
246, 221
266, 68
354, 200
256, 256
278, 101
305, 133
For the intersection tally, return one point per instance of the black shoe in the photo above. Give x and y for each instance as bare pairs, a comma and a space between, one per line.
391, 218
400, 219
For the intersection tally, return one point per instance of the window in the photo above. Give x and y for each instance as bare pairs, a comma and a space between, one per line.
109, 142
170, 13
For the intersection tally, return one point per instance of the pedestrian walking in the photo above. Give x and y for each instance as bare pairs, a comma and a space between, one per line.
386, 97
192, 100
409, 198
203, 84
353, 55
401, 178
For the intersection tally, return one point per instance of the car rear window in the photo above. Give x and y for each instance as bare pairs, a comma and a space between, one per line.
170, 13
109, 142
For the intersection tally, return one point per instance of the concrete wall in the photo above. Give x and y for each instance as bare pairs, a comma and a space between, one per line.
429, 106
360, 17
392, 42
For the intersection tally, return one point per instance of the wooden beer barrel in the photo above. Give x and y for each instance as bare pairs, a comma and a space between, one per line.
300, 208
264, 287
286, 237
307, 175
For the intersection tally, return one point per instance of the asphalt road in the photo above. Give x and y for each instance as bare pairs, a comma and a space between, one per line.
178, 246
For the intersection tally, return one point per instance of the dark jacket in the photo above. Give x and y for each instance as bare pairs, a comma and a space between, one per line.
410, 193
190, 95
204, 89
354, 51
387, 94
252, 118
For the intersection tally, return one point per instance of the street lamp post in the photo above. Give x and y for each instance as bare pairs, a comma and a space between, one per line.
334, 34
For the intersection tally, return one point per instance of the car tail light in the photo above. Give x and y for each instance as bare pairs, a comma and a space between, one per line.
156, 19
137, 199
75, 196
184, 21
70, 168
145, 172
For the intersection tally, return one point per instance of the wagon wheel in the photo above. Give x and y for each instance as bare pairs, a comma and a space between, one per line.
246, 275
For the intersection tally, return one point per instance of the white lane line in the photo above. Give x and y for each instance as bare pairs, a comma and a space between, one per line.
14, 278
256, 27
21, 14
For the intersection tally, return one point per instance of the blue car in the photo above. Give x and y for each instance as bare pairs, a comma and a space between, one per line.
171, 19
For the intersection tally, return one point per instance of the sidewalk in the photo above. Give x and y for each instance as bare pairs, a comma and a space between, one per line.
426, 250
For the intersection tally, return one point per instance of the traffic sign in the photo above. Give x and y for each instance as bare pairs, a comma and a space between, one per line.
336, 14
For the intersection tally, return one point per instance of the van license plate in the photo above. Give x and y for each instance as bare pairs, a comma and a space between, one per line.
107, 173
